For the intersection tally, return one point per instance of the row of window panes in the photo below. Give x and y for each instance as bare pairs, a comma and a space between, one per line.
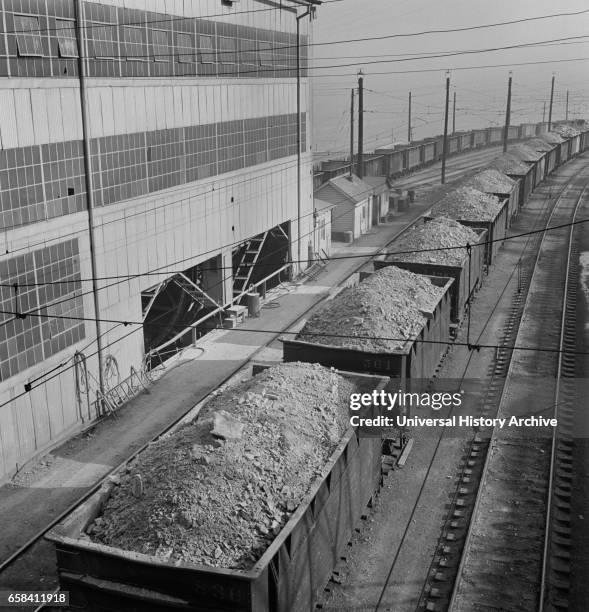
103, 44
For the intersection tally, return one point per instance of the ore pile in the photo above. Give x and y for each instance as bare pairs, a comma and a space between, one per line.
217, 491
552, 138
467, 204
435, 234
509, 164
491, 181
566, 131
538, 144
525, 153
386, 305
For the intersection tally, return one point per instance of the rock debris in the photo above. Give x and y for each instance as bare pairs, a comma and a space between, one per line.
468, 204
384, 310
220, 502
436, 233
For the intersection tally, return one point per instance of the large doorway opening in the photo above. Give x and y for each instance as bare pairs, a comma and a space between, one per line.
173, 305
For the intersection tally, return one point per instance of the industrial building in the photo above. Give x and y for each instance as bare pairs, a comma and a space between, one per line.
150, 153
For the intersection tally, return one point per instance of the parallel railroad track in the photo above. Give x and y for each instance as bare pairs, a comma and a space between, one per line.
516, 549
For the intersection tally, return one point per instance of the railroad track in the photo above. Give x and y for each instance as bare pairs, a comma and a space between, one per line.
516, 548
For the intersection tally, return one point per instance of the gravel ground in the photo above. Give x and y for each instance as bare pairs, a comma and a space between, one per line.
388, 304
436, 233
491, 181
467, 204
197, 497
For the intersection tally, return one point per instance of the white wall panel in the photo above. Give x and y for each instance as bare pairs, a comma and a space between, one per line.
70, 103
40, 122
8, 133
130, 96
141, 112
95, 113
168, 97
160, 108
150, 103
178, 116
120, 111
24, 117
108, 119
54, 115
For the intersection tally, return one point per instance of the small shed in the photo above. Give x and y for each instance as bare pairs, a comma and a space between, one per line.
351, 197
380, 197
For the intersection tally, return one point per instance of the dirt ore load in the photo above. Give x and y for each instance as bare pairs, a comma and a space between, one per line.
491, 181
468, 204
386, 305
566, 131
538, 144
552, 138
437, 233
525, 153
509, 164
218, 490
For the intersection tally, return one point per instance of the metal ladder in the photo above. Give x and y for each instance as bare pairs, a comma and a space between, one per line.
245, 267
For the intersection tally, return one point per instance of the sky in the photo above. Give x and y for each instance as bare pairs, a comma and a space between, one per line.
481, 93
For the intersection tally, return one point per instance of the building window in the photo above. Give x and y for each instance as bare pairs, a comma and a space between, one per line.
133, 39
66, 38
322, 229
228, 50
207, 50
161, 47
103, 39
186, 53
28, 35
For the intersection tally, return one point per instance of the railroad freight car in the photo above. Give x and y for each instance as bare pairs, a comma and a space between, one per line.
465, 142
287, 577
480, 138
412, 158
496, 230
467, 276
494, 135
513, 132
428, 151
453, 144
418, 357
500, 185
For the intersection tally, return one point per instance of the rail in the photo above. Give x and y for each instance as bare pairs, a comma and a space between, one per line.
494, 436
555, 432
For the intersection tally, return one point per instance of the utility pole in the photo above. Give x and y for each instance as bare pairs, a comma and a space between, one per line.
445, 148
566, 116
454, 115
507, 115
352, 134
409, 122
360, 171
551, 100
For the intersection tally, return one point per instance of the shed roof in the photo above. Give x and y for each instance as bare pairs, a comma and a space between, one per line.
352, 187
